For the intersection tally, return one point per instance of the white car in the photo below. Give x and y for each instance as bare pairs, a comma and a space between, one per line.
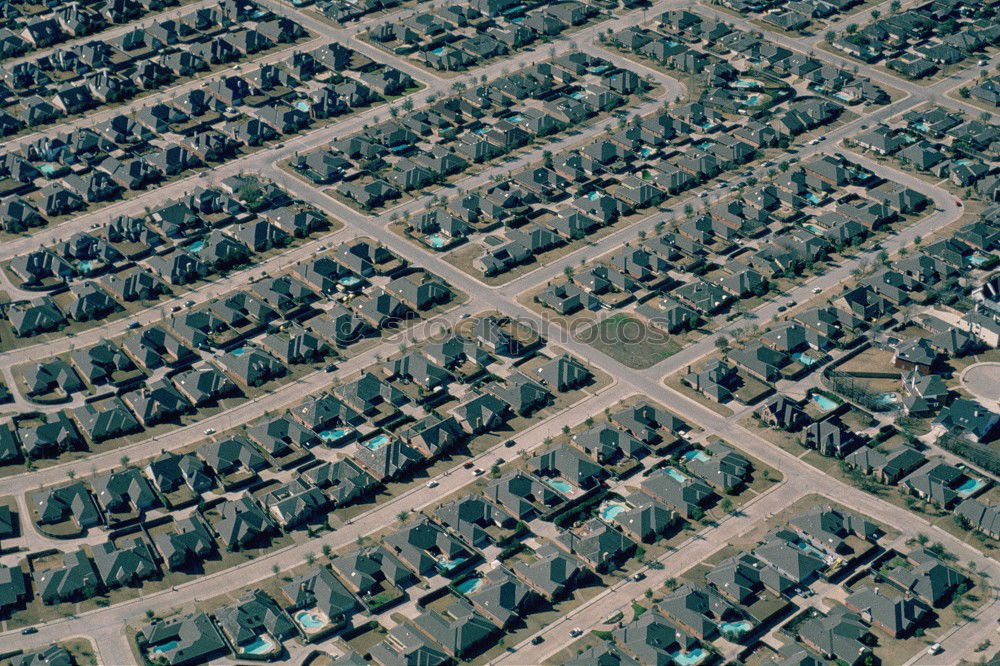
209, 431
576, 631
478, 471
432, 484
934, 649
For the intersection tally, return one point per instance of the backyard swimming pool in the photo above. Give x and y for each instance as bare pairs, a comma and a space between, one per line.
970, 487
695, 454
823, 402
311, 620
562, 486
688, 658
803, 359
376, 442
196, 246
239, 351
261, 645
445, 565
609, 511
675, 475
469, 585
334, 434
437, 241
163, 648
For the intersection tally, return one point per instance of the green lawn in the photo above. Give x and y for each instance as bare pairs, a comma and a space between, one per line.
630, 342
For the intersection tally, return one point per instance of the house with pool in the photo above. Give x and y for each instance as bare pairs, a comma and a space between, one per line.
525, 496
475, 520
943, 484
179, 641
705, 614
319, 603
684, 493
652, 639
640, 516
375, 575
568, 471
499, 596
598, 544
429, 550
256, 625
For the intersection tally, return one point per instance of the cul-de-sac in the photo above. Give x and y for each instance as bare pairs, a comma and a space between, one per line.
500, 332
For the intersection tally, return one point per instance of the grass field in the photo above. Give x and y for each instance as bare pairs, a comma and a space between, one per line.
629, 341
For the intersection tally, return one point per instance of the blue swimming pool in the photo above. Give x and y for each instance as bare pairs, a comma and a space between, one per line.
594, 195
240, 351
695, 656
578, 95
695, 454
812, 198
562, 486
437, 241
823, 402
469, 585
334, 434
86, 266
736, 629
746, 83
609, 511
646, 151
196, 246
163, 648
438, 51
803, 359
970, 487
819, 231
445, 565
751, 100
348, 281
887, 399
676, 475
261, 645
376, 442
515, 119
978, 260
310, 620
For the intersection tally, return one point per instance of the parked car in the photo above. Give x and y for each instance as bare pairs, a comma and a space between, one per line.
29, 630
468, 464
637, 576
576, 631
537, 640
478, 471
209, 431
432, 484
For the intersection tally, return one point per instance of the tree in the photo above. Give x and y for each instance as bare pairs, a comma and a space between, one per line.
275, 569
326, 550
726, 504
852, 28
722, 343
71, 474
875, 14
402, 516
829, 36
568, 272
894, 6
547, 159
124, 460
310, 559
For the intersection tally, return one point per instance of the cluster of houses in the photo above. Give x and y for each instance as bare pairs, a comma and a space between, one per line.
737, 247
447, 547
67, 172
463, 35
24, 32
744, 73
134, 260
925, 38
156, 374
940, 142
74, 79
792, 15
421, 148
